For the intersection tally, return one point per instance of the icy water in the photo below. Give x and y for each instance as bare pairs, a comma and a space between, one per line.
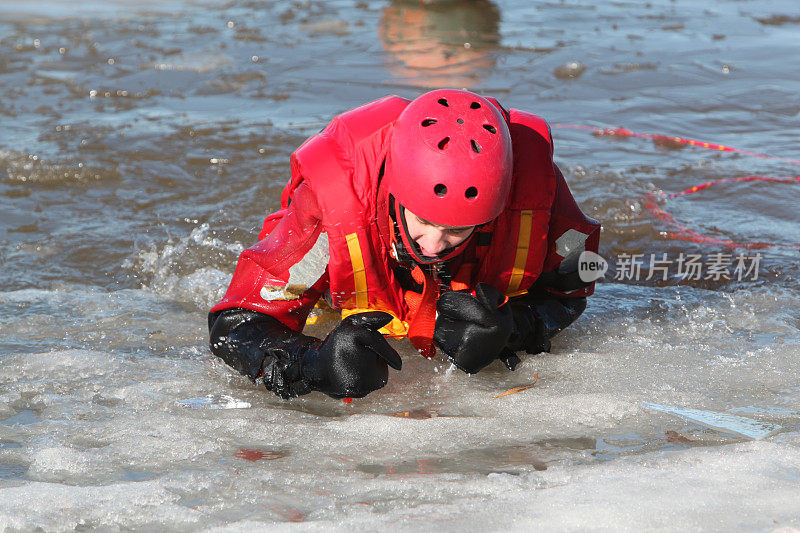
141, 145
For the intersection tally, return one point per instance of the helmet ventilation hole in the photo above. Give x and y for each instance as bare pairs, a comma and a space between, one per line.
471, 193
443, 101
440, 189
474, 105
429, 122
444, 142
475, 146
460, 121
490, 128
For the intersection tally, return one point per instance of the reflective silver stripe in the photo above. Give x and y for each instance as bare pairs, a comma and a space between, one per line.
570, 246
303, 274
309, 269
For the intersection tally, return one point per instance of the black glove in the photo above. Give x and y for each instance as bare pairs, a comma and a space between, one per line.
473, 330
350, 362
538, 317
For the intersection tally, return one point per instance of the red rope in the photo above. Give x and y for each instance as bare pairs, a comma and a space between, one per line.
681, 232
667, 140
696, 188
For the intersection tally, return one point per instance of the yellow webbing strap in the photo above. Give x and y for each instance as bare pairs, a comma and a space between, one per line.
523, 247
359, 272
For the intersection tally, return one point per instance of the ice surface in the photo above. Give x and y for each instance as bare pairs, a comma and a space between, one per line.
146, 430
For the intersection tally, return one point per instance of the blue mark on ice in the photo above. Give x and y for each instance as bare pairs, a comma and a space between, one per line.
774, 411
725, 422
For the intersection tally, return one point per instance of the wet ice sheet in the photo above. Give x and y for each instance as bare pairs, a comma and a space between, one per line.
750, 485
141, 437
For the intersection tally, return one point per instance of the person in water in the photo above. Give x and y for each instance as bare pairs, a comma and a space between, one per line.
443, 219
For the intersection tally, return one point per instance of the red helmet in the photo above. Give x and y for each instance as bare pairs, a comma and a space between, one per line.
450, 159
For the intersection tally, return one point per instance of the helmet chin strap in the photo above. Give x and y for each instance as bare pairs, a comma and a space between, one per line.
407, 250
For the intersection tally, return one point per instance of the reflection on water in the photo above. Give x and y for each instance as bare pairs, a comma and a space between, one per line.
536, 456
440, 44
507, 459
11, 471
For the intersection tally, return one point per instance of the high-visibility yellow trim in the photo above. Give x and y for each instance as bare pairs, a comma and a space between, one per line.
395, 328
321, 314
359, 272
321, 318
523, 247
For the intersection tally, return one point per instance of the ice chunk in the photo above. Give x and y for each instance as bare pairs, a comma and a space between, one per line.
214, 401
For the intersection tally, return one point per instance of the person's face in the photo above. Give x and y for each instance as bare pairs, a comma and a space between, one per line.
432, 239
